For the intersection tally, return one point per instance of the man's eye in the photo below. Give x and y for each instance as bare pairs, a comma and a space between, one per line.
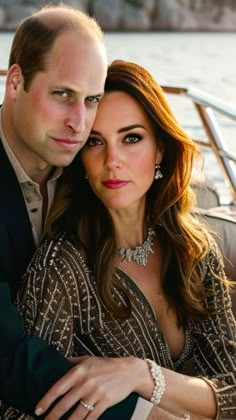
93, 141
61, 93
93, 99
133, 138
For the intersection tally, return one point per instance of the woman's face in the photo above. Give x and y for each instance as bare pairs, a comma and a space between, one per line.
120, 154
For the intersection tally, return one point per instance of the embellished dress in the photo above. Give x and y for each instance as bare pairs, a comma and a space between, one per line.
60, 303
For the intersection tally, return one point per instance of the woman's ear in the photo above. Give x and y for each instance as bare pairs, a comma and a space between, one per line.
159, 155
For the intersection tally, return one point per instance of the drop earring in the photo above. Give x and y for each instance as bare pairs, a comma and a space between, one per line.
158, 173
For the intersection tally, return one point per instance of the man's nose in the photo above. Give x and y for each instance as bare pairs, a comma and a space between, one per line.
76, 118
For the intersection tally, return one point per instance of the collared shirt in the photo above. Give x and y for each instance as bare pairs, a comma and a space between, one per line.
31, 190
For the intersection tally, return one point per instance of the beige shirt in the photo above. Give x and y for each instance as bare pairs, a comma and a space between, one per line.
142, 410
31, 190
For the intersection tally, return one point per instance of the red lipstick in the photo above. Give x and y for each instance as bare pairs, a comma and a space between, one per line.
115, 183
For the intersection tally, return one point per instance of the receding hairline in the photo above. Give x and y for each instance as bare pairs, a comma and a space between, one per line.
64, 17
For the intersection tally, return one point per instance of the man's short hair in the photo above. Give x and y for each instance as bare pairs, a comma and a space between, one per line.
36, 35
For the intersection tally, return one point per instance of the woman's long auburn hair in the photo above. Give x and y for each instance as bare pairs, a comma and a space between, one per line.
170, 201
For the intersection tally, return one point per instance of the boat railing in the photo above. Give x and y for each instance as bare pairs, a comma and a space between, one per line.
207, 106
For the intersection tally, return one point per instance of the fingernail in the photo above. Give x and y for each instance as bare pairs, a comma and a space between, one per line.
38, 411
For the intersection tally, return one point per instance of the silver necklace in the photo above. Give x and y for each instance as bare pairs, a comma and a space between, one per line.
139, 253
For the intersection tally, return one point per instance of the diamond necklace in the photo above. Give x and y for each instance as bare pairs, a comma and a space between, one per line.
139, 253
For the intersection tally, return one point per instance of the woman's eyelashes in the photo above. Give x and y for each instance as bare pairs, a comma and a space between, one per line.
93, 141
132, 138
129, 138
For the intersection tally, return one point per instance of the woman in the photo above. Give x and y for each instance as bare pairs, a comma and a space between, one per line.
136, 276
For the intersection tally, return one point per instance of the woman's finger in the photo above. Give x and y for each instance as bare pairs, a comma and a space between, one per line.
59, 389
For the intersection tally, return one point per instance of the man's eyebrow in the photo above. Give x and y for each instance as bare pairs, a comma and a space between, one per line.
74, 92
97, 95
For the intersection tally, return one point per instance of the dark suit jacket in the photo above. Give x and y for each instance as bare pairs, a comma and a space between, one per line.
28, 365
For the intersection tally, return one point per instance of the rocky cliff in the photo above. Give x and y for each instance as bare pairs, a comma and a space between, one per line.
126, 15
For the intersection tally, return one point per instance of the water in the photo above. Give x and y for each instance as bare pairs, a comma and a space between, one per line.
202, 60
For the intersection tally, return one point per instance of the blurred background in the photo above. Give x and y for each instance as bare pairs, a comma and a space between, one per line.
144, 15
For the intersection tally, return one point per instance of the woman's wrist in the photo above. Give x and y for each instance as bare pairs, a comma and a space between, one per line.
150, 381
159, 382
144, 384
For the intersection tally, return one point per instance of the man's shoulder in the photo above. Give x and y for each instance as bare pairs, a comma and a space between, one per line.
2, 151
8, 177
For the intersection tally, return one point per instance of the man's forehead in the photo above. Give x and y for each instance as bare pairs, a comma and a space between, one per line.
70, 50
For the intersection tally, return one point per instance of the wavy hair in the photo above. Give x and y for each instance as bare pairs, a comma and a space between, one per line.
169, 205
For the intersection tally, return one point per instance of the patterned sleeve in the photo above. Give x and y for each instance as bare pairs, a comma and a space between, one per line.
214, 354
44, 299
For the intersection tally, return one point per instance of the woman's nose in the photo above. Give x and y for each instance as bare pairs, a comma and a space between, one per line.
113, 157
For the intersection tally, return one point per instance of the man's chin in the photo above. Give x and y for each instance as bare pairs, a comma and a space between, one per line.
65, 161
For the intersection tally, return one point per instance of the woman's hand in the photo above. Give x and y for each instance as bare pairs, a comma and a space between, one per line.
99, 382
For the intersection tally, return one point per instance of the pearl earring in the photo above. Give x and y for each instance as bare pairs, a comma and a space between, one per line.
158, 173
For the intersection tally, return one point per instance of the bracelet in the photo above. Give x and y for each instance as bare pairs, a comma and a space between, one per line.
159, 382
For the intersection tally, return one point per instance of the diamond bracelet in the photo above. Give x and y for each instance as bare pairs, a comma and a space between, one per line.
159, 382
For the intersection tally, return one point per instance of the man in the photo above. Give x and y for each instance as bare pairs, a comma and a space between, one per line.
56, 75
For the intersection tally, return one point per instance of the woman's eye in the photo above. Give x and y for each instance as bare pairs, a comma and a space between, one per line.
93, 141
132, 138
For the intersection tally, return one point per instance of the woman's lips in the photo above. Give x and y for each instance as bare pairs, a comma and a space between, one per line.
115, 183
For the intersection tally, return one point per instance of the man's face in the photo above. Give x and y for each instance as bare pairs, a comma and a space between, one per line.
52, 120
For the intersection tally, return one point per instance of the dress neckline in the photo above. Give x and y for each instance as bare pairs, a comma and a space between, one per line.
187, 342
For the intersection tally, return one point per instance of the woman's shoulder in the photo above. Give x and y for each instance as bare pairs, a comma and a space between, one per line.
212, 267
214, 256
59, 249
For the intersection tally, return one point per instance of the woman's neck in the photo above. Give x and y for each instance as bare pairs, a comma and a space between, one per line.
131, 228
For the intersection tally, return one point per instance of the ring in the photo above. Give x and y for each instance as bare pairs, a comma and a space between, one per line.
88, 407
187, 416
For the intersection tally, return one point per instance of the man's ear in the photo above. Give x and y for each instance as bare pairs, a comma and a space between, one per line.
14, 81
